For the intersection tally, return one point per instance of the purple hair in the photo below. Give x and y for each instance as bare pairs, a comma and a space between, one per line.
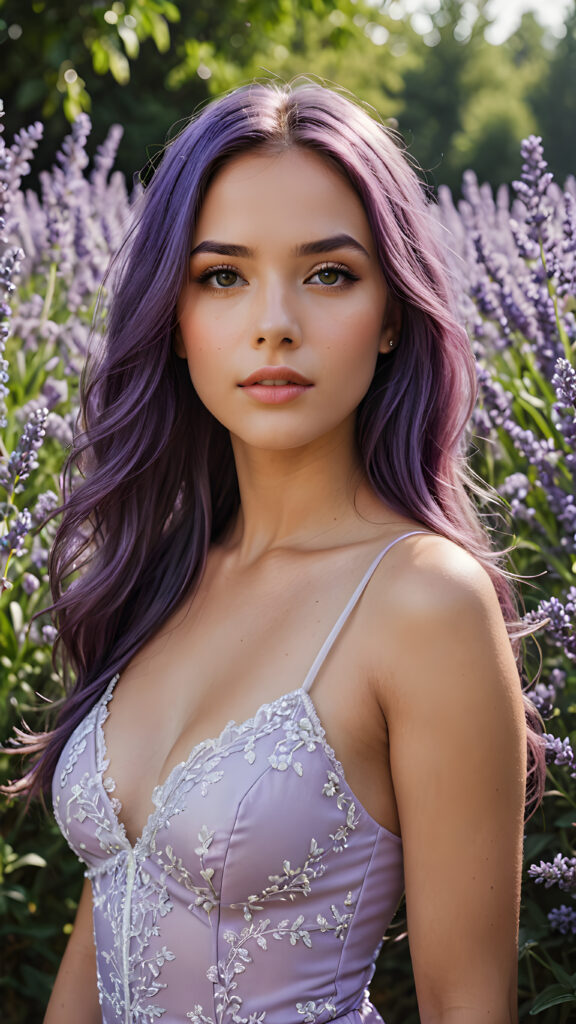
159, 478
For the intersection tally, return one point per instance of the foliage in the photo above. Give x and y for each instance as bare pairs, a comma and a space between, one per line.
67, 234
515, 262
458, 100
514, 270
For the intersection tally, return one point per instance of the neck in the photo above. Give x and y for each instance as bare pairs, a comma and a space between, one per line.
315, 496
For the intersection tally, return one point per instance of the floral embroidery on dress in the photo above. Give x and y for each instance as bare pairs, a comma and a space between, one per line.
313, 1009
297, 734
206, 896
132, 901
78, 745
341, 920
332, 788
292, 882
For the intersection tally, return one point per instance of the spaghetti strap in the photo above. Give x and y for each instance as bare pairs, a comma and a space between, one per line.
341, 621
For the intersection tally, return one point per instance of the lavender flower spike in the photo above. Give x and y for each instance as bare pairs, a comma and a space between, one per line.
563, 919
561, 872
23, 459
9, 262
13, 541
533, 185
559, 751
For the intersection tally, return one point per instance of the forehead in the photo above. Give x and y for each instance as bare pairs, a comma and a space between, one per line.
293, 194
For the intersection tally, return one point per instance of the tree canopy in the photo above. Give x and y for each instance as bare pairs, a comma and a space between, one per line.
457, 99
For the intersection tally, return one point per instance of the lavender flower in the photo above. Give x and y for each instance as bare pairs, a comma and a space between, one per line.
13, 541
49, 634
532, 190
30, 583
559, 751
45, 504
9, 263
543, 695
563, 919
23, 459
561, 872
562, 625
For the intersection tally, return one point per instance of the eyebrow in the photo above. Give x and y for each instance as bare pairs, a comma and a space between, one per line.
316, 248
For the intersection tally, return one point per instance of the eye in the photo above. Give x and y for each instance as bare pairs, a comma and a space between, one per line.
220, 278
332, 275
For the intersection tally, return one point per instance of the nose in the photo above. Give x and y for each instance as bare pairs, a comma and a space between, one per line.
276, 321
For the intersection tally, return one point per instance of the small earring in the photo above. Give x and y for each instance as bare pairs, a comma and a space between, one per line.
391, 343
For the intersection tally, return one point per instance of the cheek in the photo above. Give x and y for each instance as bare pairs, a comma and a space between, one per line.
356, 337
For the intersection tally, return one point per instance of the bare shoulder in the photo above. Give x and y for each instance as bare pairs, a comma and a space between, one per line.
439, 612
427, 574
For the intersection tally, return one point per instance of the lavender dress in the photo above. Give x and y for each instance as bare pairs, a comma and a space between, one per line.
260, 888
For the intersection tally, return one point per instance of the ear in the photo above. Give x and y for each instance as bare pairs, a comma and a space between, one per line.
391, 328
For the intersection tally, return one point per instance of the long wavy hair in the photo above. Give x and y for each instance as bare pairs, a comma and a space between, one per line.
159, 482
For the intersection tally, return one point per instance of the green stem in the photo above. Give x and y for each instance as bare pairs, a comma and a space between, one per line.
49, 294
559, 791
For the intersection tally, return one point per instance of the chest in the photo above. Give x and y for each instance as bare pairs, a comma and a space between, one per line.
221, 658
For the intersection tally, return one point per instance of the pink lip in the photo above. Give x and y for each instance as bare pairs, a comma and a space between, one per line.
275, 373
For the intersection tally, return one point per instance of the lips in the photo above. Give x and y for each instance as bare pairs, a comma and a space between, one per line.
273, 376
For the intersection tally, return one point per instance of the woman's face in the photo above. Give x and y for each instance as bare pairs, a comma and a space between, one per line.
286, 308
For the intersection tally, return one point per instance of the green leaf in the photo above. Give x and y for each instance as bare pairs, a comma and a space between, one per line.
562, 976
552, 996
534, 844
100, 57
160, 32
565, 820
29, 860
119, 66
17, 616
130, 40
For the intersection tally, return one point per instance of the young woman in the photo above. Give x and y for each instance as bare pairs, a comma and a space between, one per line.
295, 691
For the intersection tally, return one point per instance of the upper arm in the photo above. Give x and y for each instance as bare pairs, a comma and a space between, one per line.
456, 726
75, 993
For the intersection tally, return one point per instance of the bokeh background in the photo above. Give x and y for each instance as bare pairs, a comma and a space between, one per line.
464, 80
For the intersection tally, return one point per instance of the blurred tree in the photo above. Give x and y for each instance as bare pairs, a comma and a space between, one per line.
458, 100
465, 100
554, 103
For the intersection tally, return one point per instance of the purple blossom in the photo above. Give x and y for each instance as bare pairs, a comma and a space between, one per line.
563, 919
559, 752
561, 627
543, 695
45, 505
543, 698
13, 540
532, 189
49, 634
30, 583
9, 263
561, 872
516, 489
23, 459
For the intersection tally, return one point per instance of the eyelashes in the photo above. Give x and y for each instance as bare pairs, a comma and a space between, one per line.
226, 270
222, 269
334, 268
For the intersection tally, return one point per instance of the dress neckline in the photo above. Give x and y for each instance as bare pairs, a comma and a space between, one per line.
238, 728
232, 731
